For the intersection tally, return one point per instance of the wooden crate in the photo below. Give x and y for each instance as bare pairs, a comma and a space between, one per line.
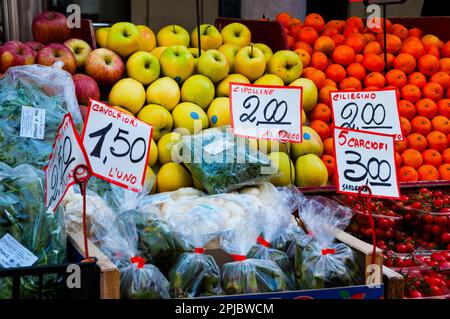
394, 284
109, 273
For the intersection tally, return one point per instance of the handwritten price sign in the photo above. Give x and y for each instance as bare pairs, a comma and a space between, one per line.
67, 154
373, 111
364, 158
118, 146
266, 112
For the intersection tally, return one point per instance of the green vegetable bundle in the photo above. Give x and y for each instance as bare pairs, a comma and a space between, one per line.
143, 282
223, 162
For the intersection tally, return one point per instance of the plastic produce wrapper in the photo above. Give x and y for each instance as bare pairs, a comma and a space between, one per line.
24, 216
325, 263
246, 276
278, 206
223, 162
39, 87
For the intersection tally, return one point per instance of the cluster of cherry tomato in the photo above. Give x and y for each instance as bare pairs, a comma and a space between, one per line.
425, 282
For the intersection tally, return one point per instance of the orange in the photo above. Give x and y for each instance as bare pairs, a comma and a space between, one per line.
406, 109
330, 163
437, 141
317, 76
407, 174
372, 47
421, 125
295, 28
307, 35
348, 31
338, 39
290, 41
428, 173
319, 61
336, 72
411, 93
324, 94
356, 70
444, 107
375, 79
303, 45
405, 62
446, 156
359, 58
324, 44
356, 41
315, 21
396, 78
339, 25
373, 62
418, 79
399, 30
390, 59
441, 78
428, 64
414, 47
447, 94
394, 44
343, 55
430, 40
432, 157
412, 158
330, 32
398, 160
321, 128
350, 83
320, 112
441, 123
434, 52
444, 172
417, 142
444, 65
433, 91
415, 32
445, 50
356, 22
284, 18
426, 107
406, 126
328, 146
369, 37
331, 83
401, 146
304, 56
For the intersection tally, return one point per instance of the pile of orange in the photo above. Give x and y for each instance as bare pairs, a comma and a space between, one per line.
347, 55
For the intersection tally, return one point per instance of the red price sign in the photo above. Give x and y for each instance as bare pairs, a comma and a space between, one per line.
364, 158
118, 146
67, 153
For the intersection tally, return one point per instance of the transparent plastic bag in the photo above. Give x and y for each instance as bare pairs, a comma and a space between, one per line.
39, 87
325, 263
223, 162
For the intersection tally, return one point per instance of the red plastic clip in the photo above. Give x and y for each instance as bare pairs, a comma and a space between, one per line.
199, 250
328, 251
139, 261
239, 257
263, 242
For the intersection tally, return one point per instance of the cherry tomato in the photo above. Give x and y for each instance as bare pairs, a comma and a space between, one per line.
438, 203
438, 194
415, 294
445, 210
436, 230
444, 264
432, 281
437, 257
417, 205
404, 198
401, 248
410, 247
423, 190
383, 223
436, 291
428, 219
440, 220
445, 238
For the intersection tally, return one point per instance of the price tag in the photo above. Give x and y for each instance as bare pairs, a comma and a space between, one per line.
67, 154
14, 255
373, 111
118, 146
266, 112
364, 158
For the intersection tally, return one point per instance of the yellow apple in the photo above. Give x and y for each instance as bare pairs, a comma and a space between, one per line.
270, 79
165, 92
270, 146
287, 65
158, 117
123, 38
147, 39
311, 144
196, 55
128, 93
230, 50
199, 90
165, 146
177, 62
158, 51
101, 36
223, 89
173, 35
268, 53
214, 65
286, 169
153, 157
189, 118
143, 67
219, 112
310, 93
304, 117
209, 35
250, 62
121, 109
236, 33
310, 171
173, 176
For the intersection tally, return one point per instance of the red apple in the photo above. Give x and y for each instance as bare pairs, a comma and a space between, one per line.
80, 48
49, 27
57, 52
83, 111
35, 46
15, 53
104, 66
86, 88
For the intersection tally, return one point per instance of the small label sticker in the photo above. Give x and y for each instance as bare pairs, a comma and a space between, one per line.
154, 200
14, 255
32, 123
218, 147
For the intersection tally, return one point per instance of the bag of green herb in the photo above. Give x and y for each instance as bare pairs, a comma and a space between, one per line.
326, 263
223, 162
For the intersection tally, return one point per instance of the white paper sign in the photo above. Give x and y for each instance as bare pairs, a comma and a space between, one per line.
67, 154
372, 111
32, 123
266, 112
14, 255
364, 158
118, 146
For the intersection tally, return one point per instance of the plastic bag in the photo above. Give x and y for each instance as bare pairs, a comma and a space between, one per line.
249, 275
223, 162
325, 263
278, 206
42, 88
24, 216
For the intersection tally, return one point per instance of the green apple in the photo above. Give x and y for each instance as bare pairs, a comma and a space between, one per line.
285, 168
310, 171
219, 112
270, 79
129, 94
143, 67
199, 90
158, 117
311, 144
214, 65
189, 118
310, 93
268, 53
101, 35
230, 51
165, 92
196, 55
250, 62
147, 39
236, 33
223, 89
270, 146
177, 62
124, 39
80, 49
158, 51
287, 65
173, 35
165, 146
209, 35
